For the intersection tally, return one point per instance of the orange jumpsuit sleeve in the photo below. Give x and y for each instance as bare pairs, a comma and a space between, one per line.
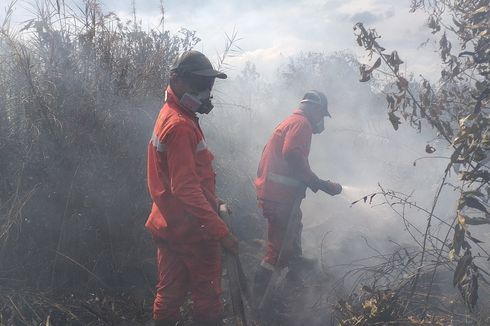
181, 144
295, 151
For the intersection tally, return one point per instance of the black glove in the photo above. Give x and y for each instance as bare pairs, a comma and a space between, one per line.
329, 187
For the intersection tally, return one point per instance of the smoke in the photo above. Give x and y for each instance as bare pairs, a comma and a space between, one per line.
359, 149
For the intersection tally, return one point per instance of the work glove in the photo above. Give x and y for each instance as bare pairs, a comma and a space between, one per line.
330, 187
314, 183
230, 243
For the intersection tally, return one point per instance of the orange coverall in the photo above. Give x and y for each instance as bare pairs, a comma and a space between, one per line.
184, 221
283, 172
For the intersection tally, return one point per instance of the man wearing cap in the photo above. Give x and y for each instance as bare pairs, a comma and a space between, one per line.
184, 222
283, 175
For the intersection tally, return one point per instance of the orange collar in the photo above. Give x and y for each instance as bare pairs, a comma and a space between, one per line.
174, 101
301, 113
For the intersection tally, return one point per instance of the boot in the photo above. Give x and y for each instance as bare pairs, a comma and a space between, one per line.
164, 322
261, 280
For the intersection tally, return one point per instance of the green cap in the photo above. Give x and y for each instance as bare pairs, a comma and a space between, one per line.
196, 63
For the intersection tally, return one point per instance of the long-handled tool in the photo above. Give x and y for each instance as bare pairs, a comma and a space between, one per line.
236, 276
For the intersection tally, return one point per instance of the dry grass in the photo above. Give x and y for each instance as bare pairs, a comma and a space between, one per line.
79, 90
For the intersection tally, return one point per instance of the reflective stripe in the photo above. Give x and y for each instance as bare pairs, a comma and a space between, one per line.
201, 146
160, 147
284, 180
267, 265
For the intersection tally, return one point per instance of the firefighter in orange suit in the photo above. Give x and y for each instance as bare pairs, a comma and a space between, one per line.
283, 175
184, 222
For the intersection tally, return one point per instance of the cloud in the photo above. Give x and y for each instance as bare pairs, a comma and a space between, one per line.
366, 17
370, 17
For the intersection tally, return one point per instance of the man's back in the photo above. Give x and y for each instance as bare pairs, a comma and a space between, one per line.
277, 177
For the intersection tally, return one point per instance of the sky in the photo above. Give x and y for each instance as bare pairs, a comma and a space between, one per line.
270, 32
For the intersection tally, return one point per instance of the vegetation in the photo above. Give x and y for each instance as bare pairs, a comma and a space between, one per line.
75, 88
457, 108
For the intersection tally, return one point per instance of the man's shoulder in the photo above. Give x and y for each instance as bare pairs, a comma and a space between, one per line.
171, 122
171, 117
297, 120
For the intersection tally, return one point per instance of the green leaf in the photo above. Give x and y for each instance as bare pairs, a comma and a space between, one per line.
473, 193
475, 240
429, 149
472, 202
461, 268
477, 220
377, 64
456, 153
395, 121
458, 239
371, 198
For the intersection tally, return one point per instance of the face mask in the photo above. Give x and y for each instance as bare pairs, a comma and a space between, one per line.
311, 112
319, 127
199, 102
